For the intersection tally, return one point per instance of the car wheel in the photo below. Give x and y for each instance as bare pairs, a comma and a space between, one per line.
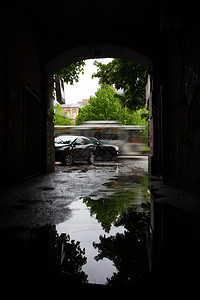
108, 156
68, 159
91, 158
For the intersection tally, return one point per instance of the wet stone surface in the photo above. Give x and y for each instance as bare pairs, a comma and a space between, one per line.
83, 224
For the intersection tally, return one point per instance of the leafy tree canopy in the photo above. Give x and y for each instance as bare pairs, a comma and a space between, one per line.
103, 106
125, 75
70, 74
106, 106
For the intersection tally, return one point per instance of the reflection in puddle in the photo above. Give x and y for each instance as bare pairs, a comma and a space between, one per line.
70, 259
85, 228
111, 228
102, 241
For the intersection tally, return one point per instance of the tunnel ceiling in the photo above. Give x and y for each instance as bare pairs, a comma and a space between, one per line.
69, 24
64, 25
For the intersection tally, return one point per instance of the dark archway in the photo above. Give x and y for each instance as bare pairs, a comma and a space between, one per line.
96, 51
37, 40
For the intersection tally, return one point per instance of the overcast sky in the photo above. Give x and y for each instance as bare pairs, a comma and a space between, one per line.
86, 86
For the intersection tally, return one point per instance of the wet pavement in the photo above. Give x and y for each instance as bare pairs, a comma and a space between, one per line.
80, 225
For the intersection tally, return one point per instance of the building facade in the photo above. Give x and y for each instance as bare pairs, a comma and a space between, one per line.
72, 110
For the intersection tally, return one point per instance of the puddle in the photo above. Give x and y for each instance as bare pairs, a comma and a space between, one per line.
85, 228
111, 229
91, 228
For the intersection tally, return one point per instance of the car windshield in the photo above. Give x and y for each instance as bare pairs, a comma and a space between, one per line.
64, 140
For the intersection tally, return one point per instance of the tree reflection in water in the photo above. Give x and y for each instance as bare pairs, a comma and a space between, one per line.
127, 194
123, 207
127, 250
70, 259
128, 206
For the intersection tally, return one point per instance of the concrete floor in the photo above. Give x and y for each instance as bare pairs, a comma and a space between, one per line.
44, 200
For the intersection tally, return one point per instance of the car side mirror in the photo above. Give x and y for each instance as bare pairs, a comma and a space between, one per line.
77, 144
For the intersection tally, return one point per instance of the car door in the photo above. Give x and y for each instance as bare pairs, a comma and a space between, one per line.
99, 152
89, 147
78, 148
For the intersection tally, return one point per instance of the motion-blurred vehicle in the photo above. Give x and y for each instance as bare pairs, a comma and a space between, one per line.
104, 151
130, 139
70, 148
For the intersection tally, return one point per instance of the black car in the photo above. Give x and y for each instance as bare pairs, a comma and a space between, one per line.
104, 151
71, 148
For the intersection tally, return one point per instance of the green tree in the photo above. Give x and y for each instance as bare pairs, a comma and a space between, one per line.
125, 75
60, 117
106, 106
70, 74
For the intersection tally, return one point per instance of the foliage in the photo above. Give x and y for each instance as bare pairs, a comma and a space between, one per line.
106, 213
128, 207
127, 250
74, 259
106, 106
60, 117
101, 107
125, 75
107, 209
70, 74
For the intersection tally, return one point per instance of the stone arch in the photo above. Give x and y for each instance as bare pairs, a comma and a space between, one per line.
95, 51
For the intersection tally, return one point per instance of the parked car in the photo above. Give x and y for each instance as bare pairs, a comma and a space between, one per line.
104, 151
71, 148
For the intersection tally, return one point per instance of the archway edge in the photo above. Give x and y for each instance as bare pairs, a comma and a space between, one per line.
96, 51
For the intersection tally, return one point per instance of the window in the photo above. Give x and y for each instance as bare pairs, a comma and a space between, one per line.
80, 141
86, 141
64, 140
95, 142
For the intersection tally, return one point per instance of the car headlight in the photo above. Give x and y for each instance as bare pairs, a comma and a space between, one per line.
116, 148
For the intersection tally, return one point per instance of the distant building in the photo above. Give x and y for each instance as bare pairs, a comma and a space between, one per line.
83, 102
72, 110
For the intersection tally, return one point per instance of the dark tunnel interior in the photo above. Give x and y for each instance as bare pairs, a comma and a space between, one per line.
37, 40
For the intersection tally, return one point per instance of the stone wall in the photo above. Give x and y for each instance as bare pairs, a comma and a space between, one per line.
176, 97
23, 114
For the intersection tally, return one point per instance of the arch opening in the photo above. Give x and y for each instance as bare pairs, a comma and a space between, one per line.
96, 51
